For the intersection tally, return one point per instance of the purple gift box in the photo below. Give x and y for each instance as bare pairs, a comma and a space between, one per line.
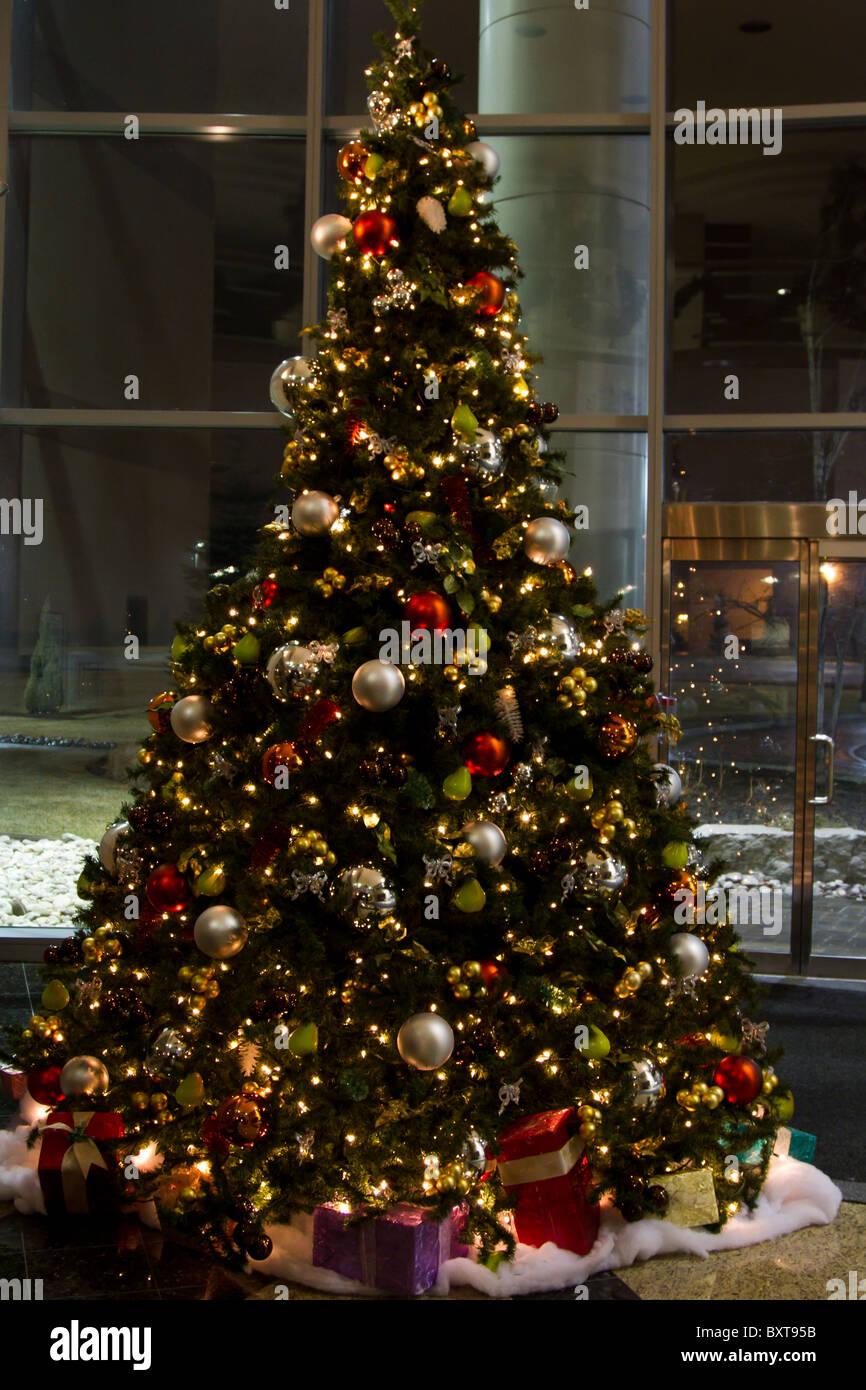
399, 1251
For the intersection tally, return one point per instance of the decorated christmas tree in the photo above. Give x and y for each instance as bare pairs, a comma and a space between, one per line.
394, 895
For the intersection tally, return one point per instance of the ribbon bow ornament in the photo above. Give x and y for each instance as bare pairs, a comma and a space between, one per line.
324, 651
439, 868
309, 883
755, 1033
377, 445
426, 554
509, 1092
569, 884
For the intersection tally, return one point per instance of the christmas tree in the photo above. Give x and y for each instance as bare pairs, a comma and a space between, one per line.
400, 869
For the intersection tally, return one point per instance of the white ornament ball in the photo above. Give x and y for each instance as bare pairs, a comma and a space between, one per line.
314, 513
691, 953
484, 458
192, 719
486, 156
84, 1076
487, 840
558, 632
668, 784
547, 541
378, 686
220, 933
108, 845
425, 1041
286, 380
329, 234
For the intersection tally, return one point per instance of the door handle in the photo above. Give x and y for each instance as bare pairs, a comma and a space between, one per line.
831, 770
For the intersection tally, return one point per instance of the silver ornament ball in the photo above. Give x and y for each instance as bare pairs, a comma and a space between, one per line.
486, 156
192, 719
487, 840
289, 668
314, 513
690, 952
474, 1152
84, 1076
329, 234
167, 1053
560, 634
547, 541
425, 1041
286, 380
668, 785
378, 686
484, 458
363, 893
646, 1083
108, 845
220, 933
604, 874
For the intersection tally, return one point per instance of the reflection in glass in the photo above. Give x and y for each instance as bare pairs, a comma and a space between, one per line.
607, 474
782, 55
768, 286
137, 524
839, 887
154, 258
764, 466
198, 55
555, 195
449, 29
734, 676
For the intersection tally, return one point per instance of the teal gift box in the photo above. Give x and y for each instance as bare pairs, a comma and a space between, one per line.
795, 1143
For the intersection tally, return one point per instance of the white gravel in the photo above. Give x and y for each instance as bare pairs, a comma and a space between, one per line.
39, 876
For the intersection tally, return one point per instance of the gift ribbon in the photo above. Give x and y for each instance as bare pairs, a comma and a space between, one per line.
368, 1245
81, 1155
539, 1167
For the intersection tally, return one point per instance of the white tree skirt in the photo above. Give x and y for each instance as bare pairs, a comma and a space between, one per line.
795, 1195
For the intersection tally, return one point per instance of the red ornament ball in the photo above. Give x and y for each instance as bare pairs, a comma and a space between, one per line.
491, 973
376, 233
486, 755
265, 593
243, 1120
492, 295
167, 889
740, 1078
428, 610
43, 1083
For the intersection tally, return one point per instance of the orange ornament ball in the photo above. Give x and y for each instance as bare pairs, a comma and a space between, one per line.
666, 898
486, 755
492, 295
243, 1120
279, 755
159, 711
375, 233
351, 160
428, 611
617, 736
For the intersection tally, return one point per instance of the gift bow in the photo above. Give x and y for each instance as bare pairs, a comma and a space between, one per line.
438, 868
309, 883
324, 651
81, 1155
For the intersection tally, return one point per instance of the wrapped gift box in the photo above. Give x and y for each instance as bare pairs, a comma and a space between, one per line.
692, 1197
75, 1174
398, 1251
542, 1160
13, 1084
795, 1143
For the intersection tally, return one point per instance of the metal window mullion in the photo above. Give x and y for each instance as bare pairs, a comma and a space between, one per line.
153, 123
313, 178
46, 418
5, 77
768, 420
657, 327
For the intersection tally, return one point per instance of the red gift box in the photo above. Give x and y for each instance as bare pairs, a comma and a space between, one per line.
76, 1177
543, 1161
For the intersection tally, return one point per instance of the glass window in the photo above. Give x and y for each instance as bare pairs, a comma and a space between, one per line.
156, 259
764, 466
565, 200
607, 475
134, 526
516, 56
767, 293
779, 53
241, 56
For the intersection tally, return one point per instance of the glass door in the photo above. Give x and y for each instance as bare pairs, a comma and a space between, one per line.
766, 643
835, 933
